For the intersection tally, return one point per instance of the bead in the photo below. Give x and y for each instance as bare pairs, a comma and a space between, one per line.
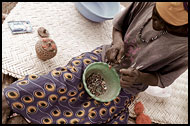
152, 39
96, 84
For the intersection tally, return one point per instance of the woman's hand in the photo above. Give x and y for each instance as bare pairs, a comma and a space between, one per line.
132, 76
116, 51
129, 77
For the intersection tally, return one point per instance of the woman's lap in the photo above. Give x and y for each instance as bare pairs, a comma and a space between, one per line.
59, 96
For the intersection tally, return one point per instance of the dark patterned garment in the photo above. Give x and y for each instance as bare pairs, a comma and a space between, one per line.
60, 98
167, 56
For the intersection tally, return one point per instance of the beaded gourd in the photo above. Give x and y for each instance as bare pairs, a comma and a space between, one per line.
46, 49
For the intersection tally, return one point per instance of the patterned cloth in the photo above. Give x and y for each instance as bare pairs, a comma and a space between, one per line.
60, 98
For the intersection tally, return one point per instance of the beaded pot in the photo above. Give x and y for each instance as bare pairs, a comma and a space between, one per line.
46, 49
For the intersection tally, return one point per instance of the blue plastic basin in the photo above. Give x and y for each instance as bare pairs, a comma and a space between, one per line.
98, 11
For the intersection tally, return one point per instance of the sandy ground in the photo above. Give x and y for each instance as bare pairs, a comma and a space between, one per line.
6, 8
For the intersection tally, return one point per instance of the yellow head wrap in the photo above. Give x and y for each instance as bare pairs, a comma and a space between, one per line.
173, 13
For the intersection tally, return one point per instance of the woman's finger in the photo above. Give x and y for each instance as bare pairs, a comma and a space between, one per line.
120, 54
114, 53
130, 72
111, 54
108, 53
127, 78
125, 82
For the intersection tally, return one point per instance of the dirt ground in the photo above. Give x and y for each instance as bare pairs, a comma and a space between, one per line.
6, 8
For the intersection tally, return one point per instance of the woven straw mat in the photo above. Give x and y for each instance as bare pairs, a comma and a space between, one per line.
74, 35
168, 110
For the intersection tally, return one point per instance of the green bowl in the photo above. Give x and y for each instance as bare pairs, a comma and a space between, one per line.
110, 77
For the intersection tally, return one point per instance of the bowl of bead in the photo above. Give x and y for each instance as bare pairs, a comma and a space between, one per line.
101, 82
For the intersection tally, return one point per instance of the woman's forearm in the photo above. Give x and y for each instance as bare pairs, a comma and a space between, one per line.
117, 36
148, 79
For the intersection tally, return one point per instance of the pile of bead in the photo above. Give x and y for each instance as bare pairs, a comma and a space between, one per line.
96, 84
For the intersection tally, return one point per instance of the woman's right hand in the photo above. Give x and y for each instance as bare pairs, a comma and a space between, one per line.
115, 52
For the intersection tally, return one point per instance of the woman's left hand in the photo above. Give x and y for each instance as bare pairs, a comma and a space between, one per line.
129, 77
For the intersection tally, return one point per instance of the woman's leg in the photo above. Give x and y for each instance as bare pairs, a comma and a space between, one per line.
122, 118
48, 98
59, 96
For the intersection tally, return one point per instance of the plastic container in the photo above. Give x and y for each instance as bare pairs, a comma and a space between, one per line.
98, 11
110, 77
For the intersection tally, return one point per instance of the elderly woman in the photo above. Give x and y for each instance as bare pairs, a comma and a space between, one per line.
150, 47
